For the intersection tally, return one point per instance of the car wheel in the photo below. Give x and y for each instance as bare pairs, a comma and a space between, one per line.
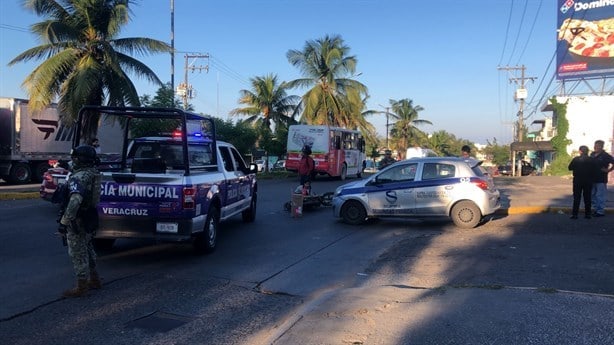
344, 172
249, 215
466, 215
353, 212
205, 241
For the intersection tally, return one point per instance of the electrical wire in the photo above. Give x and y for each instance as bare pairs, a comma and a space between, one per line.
530, 32
507, 31
13, 28
524, 11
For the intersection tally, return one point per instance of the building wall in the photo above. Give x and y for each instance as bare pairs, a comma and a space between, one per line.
590, 118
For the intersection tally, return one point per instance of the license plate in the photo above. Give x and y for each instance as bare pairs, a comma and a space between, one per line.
167, 227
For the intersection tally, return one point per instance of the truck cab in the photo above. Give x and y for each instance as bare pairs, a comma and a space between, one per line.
176, 185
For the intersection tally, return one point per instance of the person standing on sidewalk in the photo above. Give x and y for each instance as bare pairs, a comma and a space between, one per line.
605, 164
584, 169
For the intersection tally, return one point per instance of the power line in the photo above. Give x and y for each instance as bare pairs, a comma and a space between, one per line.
507, 31
530, 32
524, 11
13, 28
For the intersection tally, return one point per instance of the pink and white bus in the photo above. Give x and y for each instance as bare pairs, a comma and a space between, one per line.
337, 152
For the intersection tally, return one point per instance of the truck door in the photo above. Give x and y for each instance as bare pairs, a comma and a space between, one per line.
237, 191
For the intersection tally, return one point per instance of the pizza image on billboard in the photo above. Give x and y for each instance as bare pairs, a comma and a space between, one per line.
585, 39
589, 38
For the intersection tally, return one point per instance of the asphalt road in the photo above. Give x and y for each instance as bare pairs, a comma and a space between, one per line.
314, 280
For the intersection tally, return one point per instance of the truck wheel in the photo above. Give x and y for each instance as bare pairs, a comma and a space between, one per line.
205, 241
39, 171
344, 172
353, 212
249, 215
466, 215
20, 173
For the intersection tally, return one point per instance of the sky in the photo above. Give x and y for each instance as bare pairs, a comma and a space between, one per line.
444, 55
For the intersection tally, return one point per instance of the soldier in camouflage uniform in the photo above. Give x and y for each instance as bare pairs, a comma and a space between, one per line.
81, 219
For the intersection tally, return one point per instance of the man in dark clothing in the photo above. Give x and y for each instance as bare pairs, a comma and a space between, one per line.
583, 167
387, 160
605, 164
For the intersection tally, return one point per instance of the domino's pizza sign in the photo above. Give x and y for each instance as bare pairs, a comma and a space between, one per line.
585, 39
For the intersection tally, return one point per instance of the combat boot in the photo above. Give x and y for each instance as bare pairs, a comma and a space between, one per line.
77, 291
94, 283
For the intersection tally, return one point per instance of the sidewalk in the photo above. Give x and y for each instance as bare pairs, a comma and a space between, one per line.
540, 194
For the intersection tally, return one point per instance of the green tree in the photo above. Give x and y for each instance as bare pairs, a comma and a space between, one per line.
267, 103
84, 61
442, 142
164, 98
241, 134
404, 131
560, 142
333, 96
498, 154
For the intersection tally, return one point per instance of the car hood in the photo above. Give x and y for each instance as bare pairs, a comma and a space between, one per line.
349, 187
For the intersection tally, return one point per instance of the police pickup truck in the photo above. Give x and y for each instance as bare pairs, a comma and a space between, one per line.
173, 181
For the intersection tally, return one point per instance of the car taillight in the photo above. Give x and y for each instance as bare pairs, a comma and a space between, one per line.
188, 197
480, 183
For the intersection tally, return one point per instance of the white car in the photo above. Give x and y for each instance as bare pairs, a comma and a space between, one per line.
260, 164
421, 187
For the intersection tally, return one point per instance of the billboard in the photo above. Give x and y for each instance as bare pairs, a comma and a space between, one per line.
585, 40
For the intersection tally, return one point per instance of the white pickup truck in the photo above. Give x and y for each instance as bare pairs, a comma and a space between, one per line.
173, 185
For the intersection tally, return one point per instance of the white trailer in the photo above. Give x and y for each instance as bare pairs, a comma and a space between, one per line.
28, 141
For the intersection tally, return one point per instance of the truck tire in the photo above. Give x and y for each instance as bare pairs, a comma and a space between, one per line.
206, 241
20, 173
103, 244
39, 170
249, 215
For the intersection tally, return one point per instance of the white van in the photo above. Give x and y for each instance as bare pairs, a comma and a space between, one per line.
417, 152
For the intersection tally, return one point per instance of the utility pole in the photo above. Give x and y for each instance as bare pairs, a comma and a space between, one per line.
185, 89
520, 95
387, 122
173, 47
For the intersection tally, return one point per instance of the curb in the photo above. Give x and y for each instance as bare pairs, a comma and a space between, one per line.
19, 195
538, 209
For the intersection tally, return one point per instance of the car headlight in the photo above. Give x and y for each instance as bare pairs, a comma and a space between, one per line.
338, 191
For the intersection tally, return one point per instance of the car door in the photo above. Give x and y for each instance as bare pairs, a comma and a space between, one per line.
434, 191
392, 191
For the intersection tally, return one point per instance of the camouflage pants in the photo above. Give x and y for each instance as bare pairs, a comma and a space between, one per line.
81, 250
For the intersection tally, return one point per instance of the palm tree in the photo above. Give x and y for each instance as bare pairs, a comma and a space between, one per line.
84, 63
328, 71
267, 103
404, 131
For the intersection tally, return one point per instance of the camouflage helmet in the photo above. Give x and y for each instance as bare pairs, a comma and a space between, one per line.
84, 154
